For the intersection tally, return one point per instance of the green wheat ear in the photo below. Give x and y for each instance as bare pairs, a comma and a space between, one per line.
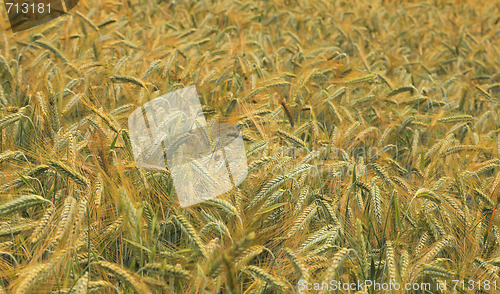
67, 171
20, 203
132, 279
52, 49
128, 79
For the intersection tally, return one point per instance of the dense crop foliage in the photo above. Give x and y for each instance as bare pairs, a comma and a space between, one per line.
372, 133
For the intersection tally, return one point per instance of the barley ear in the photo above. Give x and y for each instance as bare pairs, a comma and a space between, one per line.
131, 278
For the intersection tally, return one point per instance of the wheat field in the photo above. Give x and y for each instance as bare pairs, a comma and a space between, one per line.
372, 134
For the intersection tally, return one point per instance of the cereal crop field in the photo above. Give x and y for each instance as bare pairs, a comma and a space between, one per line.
371, 130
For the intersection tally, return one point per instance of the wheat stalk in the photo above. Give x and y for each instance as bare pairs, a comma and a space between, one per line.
189, 230
130, 278
69, 172
262, 274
